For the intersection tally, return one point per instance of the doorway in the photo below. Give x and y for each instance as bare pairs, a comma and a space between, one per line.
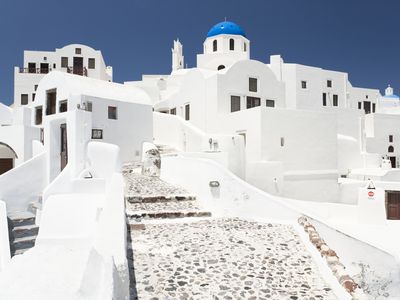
393, 205
6, 164
78, 65
367, 107
44, 68
51, 98
393, 161
64, 146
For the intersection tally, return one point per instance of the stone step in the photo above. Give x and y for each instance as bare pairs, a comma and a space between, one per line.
140, 215
22, 219
159, 198
25, 231
24, 243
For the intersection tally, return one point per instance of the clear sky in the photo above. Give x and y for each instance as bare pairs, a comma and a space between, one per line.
360, 37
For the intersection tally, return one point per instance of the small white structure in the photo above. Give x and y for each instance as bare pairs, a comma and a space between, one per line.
74, 59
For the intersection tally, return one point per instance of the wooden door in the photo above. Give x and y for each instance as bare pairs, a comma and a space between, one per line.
64, 146
6, 164
393, 205
78, 65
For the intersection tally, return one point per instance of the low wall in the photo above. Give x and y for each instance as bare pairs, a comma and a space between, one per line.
4, 241
24, 184
376, 271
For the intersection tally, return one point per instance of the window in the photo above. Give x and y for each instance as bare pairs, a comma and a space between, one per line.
253, 84
92, 63
221, 67
366, 96
173, 111
359, 105
97, 134
33, 97
89, 106
324, 99
373, 107
54, 66
64, 62
235, 103
335, 100
231, 44
252, 102
215, 46
367, 107
78, 51
187, 112
32, 67
303, 84
329, 83
63, 106
24, 99
282, 141
44, 68
112, 112
38, 115
390, 138
270, 103
245, 47
391, 149
35, 87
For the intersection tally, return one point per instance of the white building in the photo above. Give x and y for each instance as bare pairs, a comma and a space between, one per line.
303, 126
75, 59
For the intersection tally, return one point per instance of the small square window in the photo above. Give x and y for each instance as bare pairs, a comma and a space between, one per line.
303, 84
92, 63
112, 112
173, 111
63, 106
78, 51
270, 103
252, 84
366, 96
45, 58
329, 83
97, 134
24, 99
252, 102
64, 62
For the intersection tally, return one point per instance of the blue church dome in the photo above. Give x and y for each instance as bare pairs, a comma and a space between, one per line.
226, 28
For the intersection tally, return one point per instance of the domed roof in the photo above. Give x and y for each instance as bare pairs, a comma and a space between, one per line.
226, 28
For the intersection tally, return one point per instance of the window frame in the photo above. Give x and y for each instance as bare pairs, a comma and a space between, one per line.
335, 100
23, 97
187, 112
253, 101
112, 112
303, 84
324, 99
64, 62
235, 103
329, 83
232, 44
90, 66
256, 84
215, 45
269, 101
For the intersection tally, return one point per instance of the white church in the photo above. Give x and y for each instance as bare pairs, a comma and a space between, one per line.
301, 134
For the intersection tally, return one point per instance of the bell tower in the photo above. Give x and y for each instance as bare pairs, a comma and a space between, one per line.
177, 56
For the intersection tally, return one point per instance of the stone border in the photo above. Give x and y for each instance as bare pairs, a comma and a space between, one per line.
158, 198
337, 268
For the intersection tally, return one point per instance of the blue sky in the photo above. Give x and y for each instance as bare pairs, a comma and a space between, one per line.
360, 37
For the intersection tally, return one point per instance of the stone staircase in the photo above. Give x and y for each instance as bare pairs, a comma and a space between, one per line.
23, 232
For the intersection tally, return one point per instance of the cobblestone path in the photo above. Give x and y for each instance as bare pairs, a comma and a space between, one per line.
224, 259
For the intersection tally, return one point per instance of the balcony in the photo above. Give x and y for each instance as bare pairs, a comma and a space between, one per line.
35, 70
77, 71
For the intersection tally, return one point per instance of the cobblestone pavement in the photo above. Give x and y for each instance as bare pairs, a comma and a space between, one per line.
137, 185
191, 205
224, 259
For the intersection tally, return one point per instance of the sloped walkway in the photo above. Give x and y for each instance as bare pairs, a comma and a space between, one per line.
224, 259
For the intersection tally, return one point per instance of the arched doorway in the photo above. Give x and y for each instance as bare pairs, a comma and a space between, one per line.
7, 158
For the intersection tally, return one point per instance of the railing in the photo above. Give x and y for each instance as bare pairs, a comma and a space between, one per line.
77, 70
35, 70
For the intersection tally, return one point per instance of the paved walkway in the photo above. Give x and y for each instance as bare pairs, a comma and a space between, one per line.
224, 259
